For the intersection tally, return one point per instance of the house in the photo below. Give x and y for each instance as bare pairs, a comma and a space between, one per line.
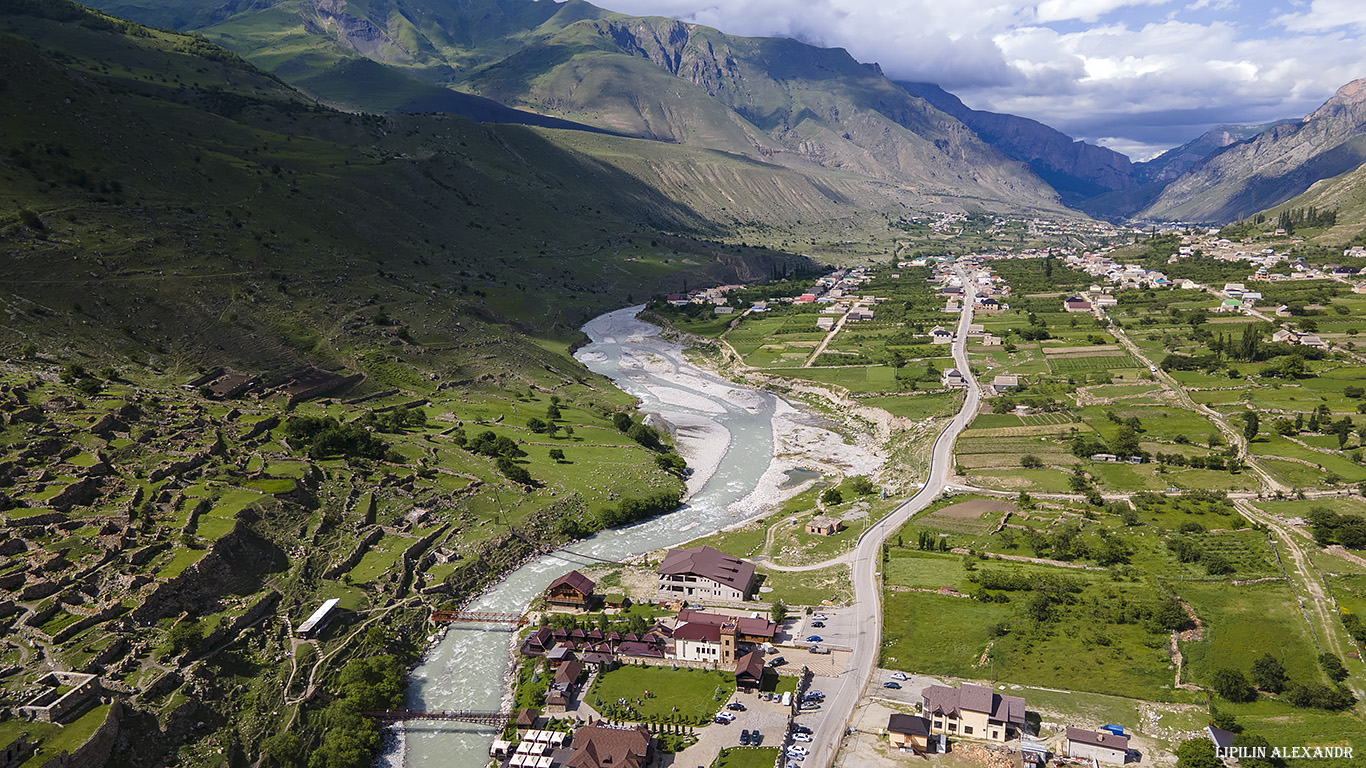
1076, 304
567, 677
747, 630
908, 732
318, 621
749, 671
1106, 301
724, 310
1310, 340
705, 572
990, 305
939, 335
954, 379
1282, 336
607, 746
973, 710
860, 314
1230, 305
823, 526
572, 590
825, 323
1005, 381
65, 695
1102, 746
1104, 457
1234, 290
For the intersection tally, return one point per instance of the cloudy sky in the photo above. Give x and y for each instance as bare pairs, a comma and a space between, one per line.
1139, 76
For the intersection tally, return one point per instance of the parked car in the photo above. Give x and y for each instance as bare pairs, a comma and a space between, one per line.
820, 650
815, 639
801, 737
777, 661
821, 617
797, 749
755, 738
818, 624
900, 676
744, 738
811, 705
797, 758
891, 684
735, 706
814, 694
724, 718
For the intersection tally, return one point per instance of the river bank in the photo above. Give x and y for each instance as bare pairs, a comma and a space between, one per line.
741, 442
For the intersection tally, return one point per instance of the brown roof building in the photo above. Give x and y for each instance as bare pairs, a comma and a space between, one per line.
705, 572
1102, 746
974, 711
572, 590
600, 746
749, 670
823, 526
908, 732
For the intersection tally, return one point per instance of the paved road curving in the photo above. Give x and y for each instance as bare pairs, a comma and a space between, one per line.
867, 555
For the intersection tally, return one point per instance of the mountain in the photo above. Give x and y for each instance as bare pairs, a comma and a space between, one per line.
777, 101
1271, 167
1169, 165
155, 182
1076, 169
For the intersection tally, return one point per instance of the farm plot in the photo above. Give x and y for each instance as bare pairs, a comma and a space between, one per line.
976, 516
1085, 364
1242, 623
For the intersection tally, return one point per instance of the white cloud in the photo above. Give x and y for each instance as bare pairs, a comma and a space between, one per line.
1324, 15
1145, 72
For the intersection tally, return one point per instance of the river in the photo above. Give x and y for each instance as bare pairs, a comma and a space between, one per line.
724, 430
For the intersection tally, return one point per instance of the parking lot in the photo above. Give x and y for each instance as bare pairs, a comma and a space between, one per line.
838, 633
766, 717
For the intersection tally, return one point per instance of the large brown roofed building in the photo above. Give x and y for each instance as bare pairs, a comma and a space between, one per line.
974, 711
572, 590
597, 746
705, 572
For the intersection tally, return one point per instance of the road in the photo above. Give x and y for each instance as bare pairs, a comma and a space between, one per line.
867, 556
1232, 435
825, 342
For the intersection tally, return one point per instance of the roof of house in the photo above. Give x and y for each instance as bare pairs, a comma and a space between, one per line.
1222, 739
574, 580
568, 673
750, 666
527, 717
745, 625
912, 725
974, 698
597, 745
709, 564
1097, 738
822, 521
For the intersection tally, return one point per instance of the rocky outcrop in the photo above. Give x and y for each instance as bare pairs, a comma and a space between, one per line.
94, 753
1076, 169
1272, 167
238, 562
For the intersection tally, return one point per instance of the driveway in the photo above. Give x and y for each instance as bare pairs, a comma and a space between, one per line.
768, 718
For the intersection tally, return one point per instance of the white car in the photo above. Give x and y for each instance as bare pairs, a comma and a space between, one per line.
801, 737
820, 617
797, 749
900, 676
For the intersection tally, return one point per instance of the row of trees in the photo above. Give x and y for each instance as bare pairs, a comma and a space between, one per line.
1268, 675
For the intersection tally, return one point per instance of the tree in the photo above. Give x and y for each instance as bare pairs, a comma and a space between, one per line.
1231, 685
514, 471
1332, 666
557, 454
536, 425
861, 485
779, 611
832, 496
1268, 673
1319, 696
185, 636
1030, 461
622, 421
552, 411
1197, 753
1251, 423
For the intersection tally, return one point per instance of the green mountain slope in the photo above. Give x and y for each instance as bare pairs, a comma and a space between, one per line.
775, 100
1273, 166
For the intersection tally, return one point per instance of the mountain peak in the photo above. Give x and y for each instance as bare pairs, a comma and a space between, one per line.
1349, 95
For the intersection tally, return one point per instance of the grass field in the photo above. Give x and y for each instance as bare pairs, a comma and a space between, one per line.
1244, 622
692, 694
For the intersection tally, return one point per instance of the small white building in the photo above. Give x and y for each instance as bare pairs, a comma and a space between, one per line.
1102, 746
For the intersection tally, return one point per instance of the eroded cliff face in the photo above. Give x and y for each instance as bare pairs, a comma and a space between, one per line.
1273, 166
